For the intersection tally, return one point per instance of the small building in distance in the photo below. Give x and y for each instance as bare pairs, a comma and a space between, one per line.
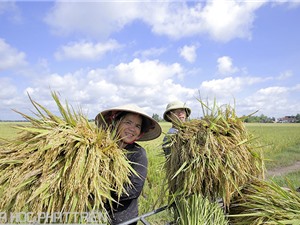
287, 119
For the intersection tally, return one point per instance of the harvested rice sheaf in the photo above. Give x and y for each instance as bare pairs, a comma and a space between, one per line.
196, 210
265, 202
61, 164
212, 156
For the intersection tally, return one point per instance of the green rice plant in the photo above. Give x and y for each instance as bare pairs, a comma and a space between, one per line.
292, 177
212, 156
7, 129
61, 164
265, 202
280, 140
277, 136
196, 210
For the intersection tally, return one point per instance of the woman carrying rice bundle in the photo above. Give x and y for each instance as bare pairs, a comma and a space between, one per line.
131, 124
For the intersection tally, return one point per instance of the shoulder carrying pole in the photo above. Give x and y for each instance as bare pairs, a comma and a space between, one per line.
142, 217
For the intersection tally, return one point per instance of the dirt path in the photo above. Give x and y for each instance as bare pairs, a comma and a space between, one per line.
284, 170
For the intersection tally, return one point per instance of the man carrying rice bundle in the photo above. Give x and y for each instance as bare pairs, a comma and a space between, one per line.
176, 112
209, 158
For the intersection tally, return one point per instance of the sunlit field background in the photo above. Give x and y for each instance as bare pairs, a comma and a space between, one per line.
279, 142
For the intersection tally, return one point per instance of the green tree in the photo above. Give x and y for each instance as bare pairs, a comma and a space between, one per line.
259, 119
298, 118
156, 117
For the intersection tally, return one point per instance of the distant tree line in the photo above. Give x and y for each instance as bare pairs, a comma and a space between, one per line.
260, 119
264, 119
157, 117
253, 119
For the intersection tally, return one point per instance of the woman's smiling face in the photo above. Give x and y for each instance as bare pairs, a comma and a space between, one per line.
130, 128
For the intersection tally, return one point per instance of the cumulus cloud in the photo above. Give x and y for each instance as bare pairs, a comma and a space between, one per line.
221, 20
296, 88
10, 99
147, 83
10, 57
86, 50
272, 91
226, 20
290, 4
227, 87
152, 52
12, 12
188, 53
225, 65
98, 18
273, 101
150, 72
7, 88
285, 75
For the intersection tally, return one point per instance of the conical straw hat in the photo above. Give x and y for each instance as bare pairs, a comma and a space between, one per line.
152, 129
176, 105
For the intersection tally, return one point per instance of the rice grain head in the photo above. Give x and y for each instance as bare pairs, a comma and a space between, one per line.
212, 156
61, 164
265, 202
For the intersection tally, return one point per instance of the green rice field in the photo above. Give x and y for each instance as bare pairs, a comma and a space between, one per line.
279, 142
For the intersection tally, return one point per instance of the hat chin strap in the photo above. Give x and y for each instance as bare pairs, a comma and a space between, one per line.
140, 136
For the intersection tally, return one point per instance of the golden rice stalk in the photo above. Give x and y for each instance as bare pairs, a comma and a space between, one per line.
212, 156
265, 202
196, 210
60, 164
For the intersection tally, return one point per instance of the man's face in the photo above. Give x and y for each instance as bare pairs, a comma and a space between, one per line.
179, 114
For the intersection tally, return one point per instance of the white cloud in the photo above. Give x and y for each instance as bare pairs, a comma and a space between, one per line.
7, 88
10, 99
10, 57
174, 19
296, 88
285, 75
273, 101
10, 9
227, 87
152, 52
272, 91
138, 73
291, 4
86, 50
148, 84
270, 101
225, 65
226, 20
188, 53
98, 18
221, 20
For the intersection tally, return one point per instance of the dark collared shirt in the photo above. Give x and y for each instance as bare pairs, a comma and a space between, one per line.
128, 207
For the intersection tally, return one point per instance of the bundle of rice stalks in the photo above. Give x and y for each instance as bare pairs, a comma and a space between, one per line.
196, 210
265, 202
61, 164
212, 156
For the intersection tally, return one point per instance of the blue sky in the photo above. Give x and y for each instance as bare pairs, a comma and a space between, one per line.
103, 54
